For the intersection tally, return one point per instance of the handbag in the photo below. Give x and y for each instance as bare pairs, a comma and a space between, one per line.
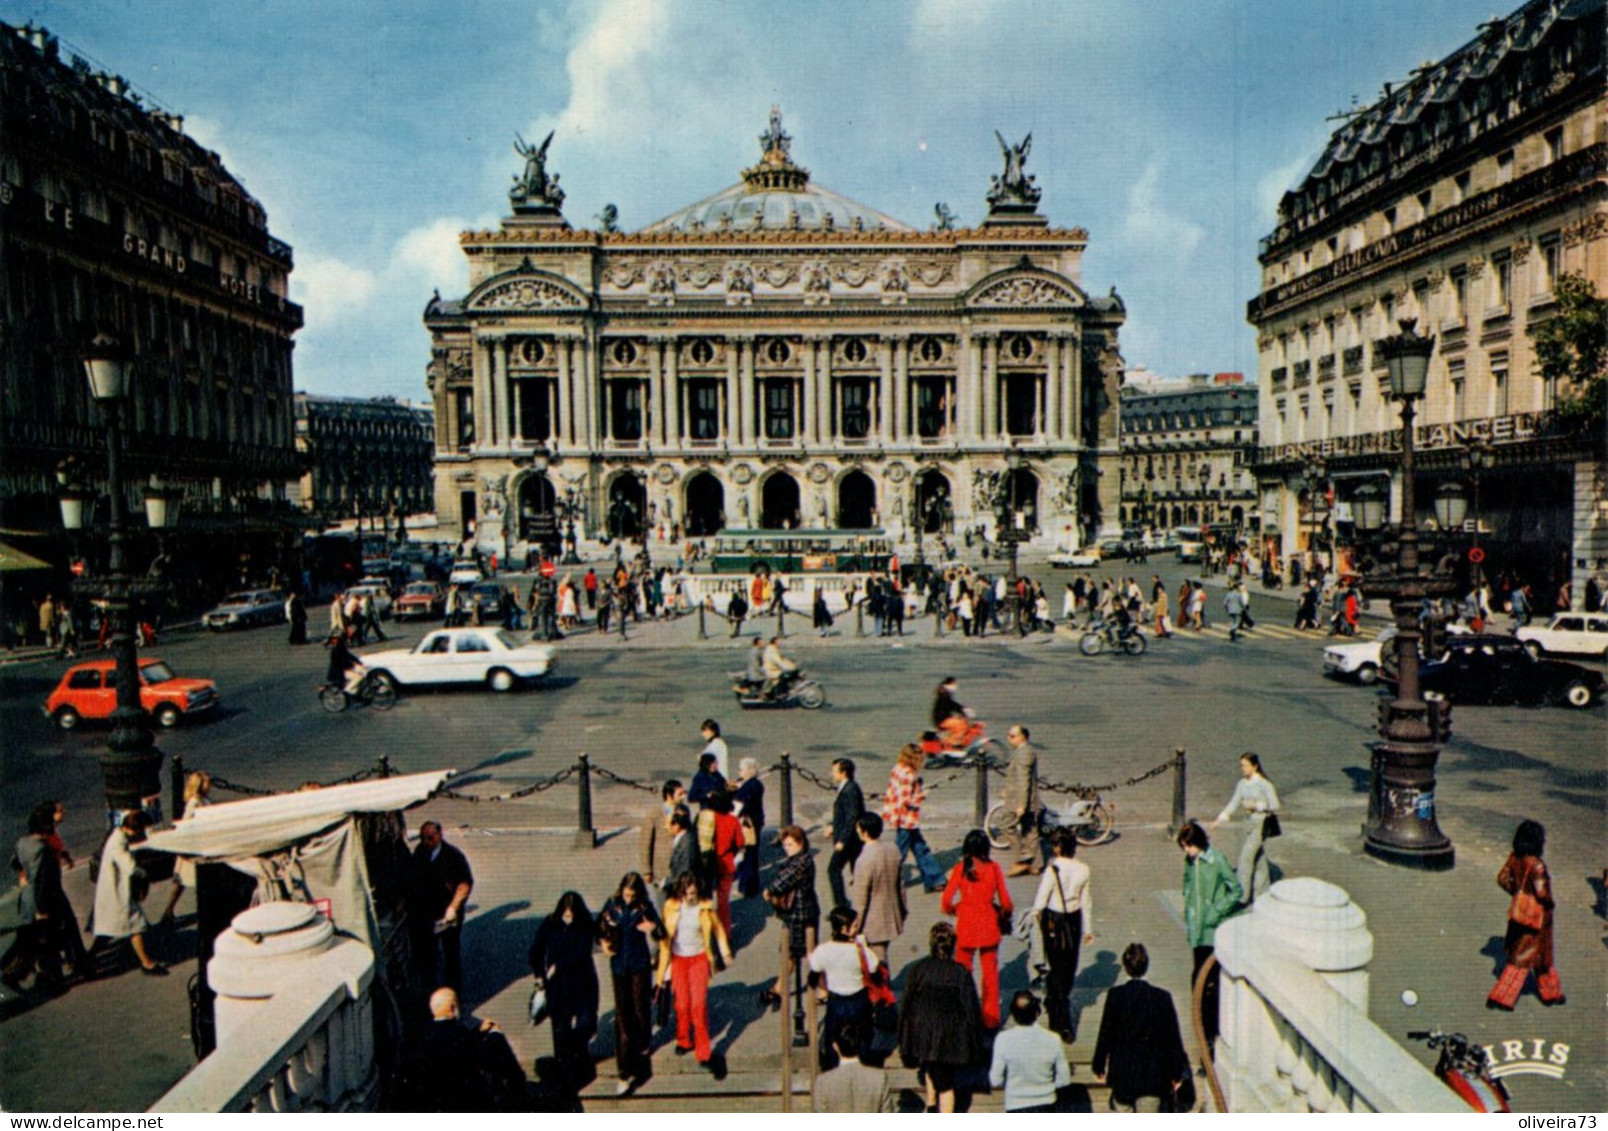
1526, 909
1059, 935
538, 1004
750, 835
878, 980
661, 1005
1271, 827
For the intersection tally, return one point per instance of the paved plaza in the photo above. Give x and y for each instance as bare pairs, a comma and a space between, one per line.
635, 709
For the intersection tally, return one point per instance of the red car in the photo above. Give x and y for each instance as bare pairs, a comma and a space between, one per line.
89, 691
424, 600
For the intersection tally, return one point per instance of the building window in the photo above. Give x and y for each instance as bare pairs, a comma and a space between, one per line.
779, 405
1501, 280
1460, 187
1459, 386
1423, 203
854, 400
932, 408
1554, 138
1550, 253
1459, 294
625, 409
535, 410
1390, 220
1499, 382
1504, 167
1021, 404
703, 404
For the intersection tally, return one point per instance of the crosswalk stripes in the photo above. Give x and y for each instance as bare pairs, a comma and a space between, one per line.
1264, 631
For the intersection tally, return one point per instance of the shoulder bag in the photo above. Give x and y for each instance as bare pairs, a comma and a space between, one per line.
1271, 827
1003, 917
1058, 935
1526, 909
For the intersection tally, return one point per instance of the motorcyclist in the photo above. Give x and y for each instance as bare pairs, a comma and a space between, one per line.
754, 676
777, 666
345, 669
949, 718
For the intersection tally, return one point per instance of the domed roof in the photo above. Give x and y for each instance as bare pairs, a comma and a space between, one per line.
776, 195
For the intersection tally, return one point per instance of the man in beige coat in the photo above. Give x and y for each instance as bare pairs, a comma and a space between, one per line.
878, 894
1022, 800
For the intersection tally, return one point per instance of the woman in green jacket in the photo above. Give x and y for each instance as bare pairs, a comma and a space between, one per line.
1212, 893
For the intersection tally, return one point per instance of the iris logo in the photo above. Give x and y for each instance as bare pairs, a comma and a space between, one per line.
1532, 1057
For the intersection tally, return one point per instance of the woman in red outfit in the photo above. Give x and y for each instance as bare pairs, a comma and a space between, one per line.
1529, 931
728, 842
978, 886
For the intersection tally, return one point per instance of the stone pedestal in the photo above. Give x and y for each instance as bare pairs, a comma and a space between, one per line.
262, 952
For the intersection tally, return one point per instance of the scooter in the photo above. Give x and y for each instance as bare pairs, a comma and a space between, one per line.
940, 754
794, 689
1466, 1070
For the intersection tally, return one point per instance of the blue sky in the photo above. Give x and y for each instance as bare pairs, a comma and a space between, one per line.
373, 133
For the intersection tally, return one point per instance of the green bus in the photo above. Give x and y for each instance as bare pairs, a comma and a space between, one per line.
801, 551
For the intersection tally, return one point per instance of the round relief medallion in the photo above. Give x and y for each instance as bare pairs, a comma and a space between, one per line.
742, 473
666, 474
896, 473
819, 473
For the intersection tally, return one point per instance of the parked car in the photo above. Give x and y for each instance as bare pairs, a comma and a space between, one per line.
1086, 558
487, 656
89, 691
381, 594
1498, 670
421, 600
247, 609
464, 573
1363, 661
1572, 634
1114, 549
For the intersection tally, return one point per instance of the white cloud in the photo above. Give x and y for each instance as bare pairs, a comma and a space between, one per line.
952, 19
1270, 189
329, 288
605, 67
1149, 228
429, 256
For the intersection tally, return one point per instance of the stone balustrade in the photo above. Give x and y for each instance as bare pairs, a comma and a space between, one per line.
1296, 1035
295, 1020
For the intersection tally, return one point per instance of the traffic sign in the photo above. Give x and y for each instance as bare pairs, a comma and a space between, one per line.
1476, 555
548, 568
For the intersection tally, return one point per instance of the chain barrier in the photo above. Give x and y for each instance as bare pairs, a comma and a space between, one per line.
812, 777
1078, 789
614, 777
230, 787
252, 791
512, 795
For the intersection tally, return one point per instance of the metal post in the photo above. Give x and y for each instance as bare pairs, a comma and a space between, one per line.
938, 622
585, 834
383, 766
1180, 803
176, 786
787, 1036
803, 1038
980, 808
859, 618
621, 594
703, 630
781, 617
787, 789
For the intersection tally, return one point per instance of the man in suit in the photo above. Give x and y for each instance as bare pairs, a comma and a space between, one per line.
683, 849
1022, 797
1139, 1043
878, 888
657, 835
847, 807
442, 882
851, 1087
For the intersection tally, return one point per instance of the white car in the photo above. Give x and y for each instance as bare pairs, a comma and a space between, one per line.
464, 573
1361, 661
488, 656
247, 608
1571, 634
1086, 558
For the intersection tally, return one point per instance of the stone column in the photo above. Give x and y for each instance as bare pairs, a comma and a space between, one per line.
809, 401
1051, 425
672, 392
562, 432
885, 390
502, 393
1075, 394
747, 390
517, 392
990, 428
969, 387
1069, 387
825, 427
653, 423
901, 388
481, 362
733, 406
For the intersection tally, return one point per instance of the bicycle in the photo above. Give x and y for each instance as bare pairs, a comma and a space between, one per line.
1105, 634
1090, 819
377, 691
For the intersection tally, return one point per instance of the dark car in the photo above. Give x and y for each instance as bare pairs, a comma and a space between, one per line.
487, 597
1497, 670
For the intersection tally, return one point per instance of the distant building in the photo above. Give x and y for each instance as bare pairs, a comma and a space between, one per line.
1456, 199
111, 218
1187, 449
775, 355
365, 459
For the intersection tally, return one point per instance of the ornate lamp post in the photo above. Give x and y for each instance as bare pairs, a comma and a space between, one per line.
547, 624
1010, 522
131, 765
1477, 458
642, 522
572, 500
1401, 826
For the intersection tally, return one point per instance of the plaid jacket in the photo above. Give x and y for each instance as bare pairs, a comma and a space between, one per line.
901, 805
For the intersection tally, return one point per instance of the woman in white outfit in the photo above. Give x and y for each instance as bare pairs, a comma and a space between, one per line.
1064, 907
1256, 797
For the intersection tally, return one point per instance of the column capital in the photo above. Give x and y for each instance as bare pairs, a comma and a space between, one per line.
986, 335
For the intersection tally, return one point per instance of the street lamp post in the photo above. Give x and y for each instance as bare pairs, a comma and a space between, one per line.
1401, 827
131, 765
572, 499
1008, 518
547, 625
642, 523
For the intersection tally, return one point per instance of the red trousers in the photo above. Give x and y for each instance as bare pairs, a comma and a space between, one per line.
1513, 980
989, 957
689, 984
723, 900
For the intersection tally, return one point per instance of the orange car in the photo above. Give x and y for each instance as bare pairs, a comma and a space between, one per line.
89, 691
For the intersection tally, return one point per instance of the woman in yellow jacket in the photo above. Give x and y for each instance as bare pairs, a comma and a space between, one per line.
687, 961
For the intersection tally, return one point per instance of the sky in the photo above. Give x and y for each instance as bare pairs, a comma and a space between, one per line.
373, 133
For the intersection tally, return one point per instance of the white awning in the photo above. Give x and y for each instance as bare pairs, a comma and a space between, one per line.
261, 825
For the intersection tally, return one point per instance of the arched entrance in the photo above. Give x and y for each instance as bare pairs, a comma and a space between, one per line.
856, 501
705, 506
628, 506
778, 502
934, 501
1021, 495
538, 508
1238, 516
1177, 515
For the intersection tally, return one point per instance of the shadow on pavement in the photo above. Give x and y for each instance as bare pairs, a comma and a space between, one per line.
494, 949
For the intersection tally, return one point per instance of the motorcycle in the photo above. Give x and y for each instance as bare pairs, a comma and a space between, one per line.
1091, 820
941, 754
1466, 1070
794, 689
1106, 634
